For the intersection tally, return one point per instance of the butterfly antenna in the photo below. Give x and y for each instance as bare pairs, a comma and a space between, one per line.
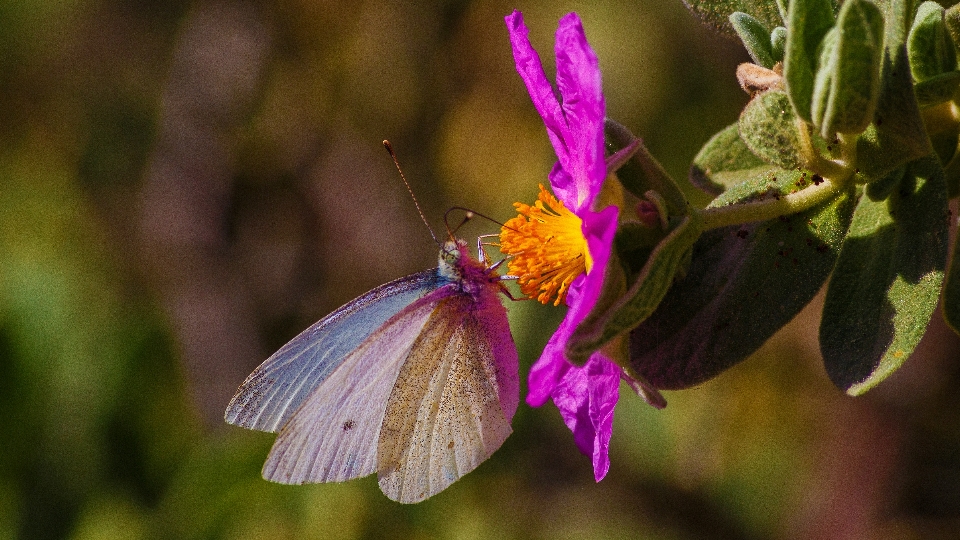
389, 147
467, 216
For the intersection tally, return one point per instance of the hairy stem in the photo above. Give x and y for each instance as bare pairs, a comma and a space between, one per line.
735, 214
836, 176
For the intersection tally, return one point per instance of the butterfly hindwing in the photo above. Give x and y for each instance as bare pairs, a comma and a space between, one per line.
416, 380
333, 436
451, 406
275, 390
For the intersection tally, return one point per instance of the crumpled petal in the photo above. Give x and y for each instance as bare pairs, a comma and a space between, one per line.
549, 369
562, 184
575, 128
541, 92
579, 82
552, 365
586, 397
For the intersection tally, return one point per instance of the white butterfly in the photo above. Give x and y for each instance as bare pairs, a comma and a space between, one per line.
415, 380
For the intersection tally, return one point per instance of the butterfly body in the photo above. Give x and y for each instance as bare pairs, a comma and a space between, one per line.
415, 380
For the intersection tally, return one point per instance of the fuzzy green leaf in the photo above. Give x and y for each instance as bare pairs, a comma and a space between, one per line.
743, 284
769, 129
643, 296
929, 47
847, 82
808, 21
952, 173
937, 89
778, 43
951, 19
643, 172
716, 13
951, 290
755, 37
879, 190
897, 134
725, 161
887, 280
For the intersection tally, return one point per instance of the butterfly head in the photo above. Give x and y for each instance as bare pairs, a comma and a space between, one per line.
457, 266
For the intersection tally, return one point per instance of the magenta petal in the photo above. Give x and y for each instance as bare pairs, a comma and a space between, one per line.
599, 229
541, 92
586, 398
562, 184
547, 372
604, 393
579, 82
571, 396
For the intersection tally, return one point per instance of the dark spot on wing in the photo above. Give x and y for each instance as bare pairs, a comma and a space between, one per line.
348, 425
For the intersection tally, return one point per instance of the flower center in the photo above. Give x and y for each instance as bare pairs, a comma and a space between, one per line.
548, 248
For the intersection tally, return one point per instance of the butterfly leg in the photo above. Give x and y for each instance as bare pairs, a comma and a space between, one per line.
482, 254
506, 292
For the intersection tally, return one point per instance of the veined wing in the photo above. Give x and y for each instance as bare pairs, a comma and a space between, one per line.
333, 436
275, 390
453, 400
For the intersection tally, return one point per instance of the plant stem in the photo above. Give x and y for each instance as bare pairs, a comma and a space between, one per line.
836, 176
735, 214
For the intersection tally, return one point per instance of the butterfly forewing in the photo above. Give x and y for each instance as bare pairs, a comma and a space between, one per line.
276, 389
444, 416
415, 380
333, 436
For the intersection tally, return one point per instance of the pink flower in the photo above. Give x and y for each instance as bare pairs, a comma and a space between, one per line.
563, 248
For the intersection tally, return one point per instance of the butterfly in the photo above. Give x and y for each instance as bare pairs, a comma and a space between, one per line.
416, 380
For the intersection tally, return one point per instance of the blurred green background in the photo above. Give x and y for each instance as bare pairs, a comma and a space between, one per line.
184, 186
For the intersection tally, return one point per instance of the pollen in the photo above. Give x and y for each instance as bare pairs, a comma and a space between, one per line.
547, 246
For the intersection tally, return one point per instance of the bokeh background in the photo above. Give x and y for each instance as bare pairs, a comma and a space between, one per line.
184, 186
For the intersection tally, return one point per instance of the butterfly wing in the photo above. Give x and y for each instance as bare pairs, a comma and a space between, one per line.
453, 400
333, 436
277, 388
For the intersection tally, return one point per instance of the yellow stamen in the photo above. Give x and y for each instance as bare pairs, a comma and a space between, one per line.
548, 248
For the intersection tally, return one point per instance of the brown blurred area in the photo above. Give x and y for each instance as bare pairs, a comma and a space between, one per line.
184, 186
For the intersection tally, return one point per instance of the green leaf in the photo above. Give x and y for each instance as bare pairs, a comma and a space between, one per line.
897, 134
951, 19
808, 22
755, 37
643, 172
944, 142
951, 290
769, 129
847, 82
889, 6
929, 47
743, 284
937, 89
778, 43
643, 296
952, 173
887, 280
725, 161
716, 13
879, 190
